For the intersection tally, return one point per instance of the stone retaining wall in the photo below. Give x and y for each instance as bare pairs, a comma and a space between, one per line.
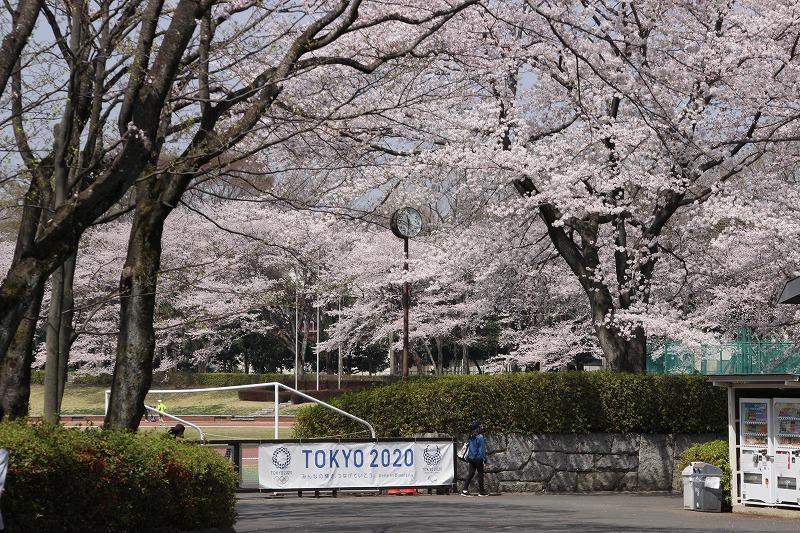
584, 462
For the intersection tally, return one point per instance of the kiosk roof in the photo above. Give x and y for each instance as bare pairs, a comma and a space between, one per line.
762, 380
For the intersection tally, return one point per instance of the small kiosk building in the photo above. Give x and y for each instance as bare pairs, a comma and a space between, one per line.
764, 437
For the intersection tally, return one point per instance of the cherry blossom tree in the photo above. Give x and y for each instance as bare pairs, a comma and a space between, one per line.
613, 122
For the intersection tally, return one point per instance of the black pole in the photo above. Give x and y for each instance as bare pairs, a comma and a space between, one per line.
406, 305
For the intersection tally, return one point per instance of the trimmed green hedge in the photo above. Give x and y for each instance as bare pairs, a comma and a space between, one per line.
177, 379
716, 453
94, 380
223, 379
210, 379
529, 403
65, 480
97, 380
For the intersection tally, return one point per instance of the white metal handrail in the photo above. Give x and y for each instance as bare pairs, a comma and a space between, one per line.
276, 385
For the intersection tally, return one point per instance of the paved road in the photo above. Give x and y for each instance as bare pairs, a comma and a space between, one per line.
603, 513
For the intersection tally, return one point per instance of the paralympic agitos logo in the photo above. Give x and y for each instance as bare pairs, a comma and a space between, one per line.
432, 456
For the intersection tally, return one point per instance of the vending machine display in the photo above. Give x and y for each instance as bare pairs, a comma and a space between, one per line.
756, 450
786, 442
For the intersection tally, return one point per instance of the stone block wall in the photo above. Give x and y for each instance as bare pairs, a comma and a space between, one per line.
583, 462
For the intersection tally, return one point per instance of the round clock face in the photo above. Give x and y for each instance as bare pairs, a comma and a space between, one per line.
406, 222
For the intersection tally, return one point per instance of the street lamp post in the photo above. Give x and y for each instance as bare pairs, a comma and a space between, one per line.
296, 333
339, 364
406, 223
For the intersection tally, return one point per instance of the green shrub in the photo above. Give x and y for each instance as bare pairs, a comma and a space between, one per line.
561, 402
65, 480
716, 453
37, 377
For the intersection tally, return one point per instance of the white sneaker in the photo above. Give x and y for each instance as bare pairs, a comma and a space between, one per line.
464, 493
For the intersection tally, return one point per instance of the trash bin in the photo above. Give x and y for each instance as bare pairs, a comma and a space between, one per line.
702, 487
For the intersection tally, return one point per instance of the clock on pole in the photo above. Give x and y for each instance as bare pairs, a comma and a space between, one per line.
406, 223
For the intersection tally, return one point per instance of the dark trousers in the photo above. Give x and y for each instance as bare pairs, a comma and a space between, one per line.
475, 464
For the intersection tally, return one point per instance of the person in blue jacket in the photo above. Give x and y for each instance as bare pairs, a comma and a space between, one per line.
476, 457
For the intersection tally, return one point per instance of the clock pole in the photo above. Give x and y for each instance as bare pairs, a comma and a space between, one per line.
406, 222
406, 305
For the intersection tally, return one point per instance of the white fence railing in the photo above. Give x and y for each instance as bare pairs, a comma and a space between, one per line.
275, 385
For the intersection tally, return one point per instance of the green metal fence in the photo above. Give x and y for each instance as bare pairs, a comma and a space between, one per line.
745, 355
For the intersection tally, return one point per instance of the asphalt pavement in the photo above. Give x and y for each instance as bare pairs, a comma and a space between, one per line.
605, 513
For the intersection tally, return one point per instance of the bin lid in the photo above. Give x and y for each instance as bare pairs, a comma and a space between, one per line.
701, 468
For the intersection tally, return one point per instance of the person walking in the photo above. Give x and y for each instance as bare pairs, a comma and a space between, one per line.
476, 457
161, 407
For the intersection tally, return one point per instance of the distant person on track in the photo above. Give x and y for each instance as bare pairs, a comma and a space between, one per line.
161, 407
476, 457
177, 431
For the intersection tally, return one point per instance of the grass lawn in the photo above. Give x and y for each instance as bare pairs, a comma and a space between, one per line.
87, 400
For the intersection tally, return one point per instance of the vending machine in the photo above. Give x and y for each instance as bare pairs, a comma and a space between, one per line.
786, 445
755, 427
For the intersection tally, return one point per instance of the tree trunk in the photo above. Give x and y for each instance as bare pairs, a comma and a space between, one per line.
58, 339
636, 358
477, 366
133, 370
434, 364
418, 361
50, 413
392, 357
439, 355
464, 352
622, 355
65, 333
15, 374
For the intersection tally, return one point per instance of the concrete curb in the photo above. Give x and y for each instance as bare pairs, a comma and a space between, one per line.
757, 510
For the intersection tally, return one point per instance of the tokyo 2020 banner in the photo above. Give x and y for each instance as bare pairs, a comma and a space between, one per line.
341, 465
